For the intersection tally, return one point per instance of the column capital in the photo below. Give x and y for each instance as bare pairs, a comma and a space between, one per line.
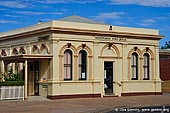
95, 43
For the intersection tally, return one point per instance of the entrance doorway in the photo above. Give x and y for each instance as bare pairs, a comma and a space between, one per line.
36, 77
108, 77
33, 78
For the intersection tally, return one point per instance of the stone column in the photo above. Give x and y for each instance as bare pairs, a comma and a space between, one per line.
26, 77
13, 67
2, 66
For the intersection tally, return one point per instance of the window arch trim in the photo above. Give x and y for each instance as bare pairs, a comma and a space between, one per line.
68, 64
15, 51
146, 67
22, 50
134, 66
3, 53
82, 65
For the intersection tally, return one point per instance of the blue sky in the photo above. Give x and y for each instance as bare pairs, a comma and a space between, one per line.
154, 14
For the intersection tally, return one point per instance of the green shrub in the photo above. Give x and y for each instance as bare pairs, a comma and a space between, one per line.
10, 76
12, 83
10, 79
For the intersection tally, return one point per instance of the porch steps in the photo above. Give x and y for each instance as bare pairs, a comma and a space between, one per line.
110, 95
37, 98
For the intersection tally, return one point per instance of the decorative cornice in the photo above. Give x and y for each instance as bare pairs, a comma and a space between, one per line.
26, 34
25, 56
80, 32
105, 33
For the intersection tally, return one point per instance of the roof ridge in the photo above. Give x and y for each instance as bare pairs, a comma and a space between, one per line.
79, 19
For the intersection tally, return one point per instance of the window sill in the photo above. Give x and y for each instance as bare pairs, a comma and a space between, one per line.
134, 79
82, 79
67, 79
145, 78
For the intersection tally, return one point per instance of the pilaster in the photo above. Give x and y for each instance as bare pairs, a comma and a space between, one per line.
95, 60
157, 72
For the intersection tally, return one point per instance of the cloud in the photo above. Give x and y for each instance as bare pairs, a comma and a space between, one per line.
33, 3
36, 13
165, 28
147, 22
68, 1
119, 23
52, 1
111, 15
3, 9
154, 3
7, 21
14, 4
160, 18
13, 16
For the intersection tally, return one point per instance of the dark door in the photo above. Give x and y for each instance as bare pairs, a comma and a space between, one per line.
36, 77
108, 77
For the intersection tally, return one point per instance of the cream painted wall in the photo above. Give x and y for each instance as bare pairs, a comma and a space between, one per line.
98, 52
30, 82
101, 53
79, 87
43, 77
141, 86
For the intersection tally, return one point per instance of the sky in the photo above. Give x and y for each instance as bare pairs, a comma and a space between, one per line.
152, 14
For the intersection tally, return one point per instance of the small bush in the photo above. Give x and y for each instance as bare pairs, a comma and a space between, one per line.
10, 76
10, 79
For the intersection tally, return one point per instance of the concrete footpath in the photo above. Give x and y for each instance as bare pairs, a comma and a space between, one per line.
82, 105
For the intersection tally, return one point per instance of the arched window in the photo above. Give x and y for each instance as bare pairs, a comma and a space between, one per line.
15, 51
22, 51
134, 66
68, 65
3, 53
146, 66
82, 65
35, 49
44, 49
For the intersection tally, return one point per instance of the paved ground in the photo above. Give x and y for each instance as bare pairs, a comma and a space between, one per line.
86, 105
153, 109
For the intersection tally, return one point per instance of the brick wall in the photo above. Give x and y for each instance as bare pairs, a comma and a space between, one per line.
165, 69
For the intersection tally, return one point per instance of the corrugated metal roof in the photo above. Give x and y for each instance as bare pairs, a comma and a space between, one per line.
164, 50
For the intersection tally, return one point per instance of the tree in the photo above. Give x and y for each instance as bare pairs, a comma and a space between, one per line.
166, 46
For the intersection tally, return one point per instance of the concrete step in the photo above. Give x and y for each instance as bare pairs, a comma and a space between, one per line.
37, 98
